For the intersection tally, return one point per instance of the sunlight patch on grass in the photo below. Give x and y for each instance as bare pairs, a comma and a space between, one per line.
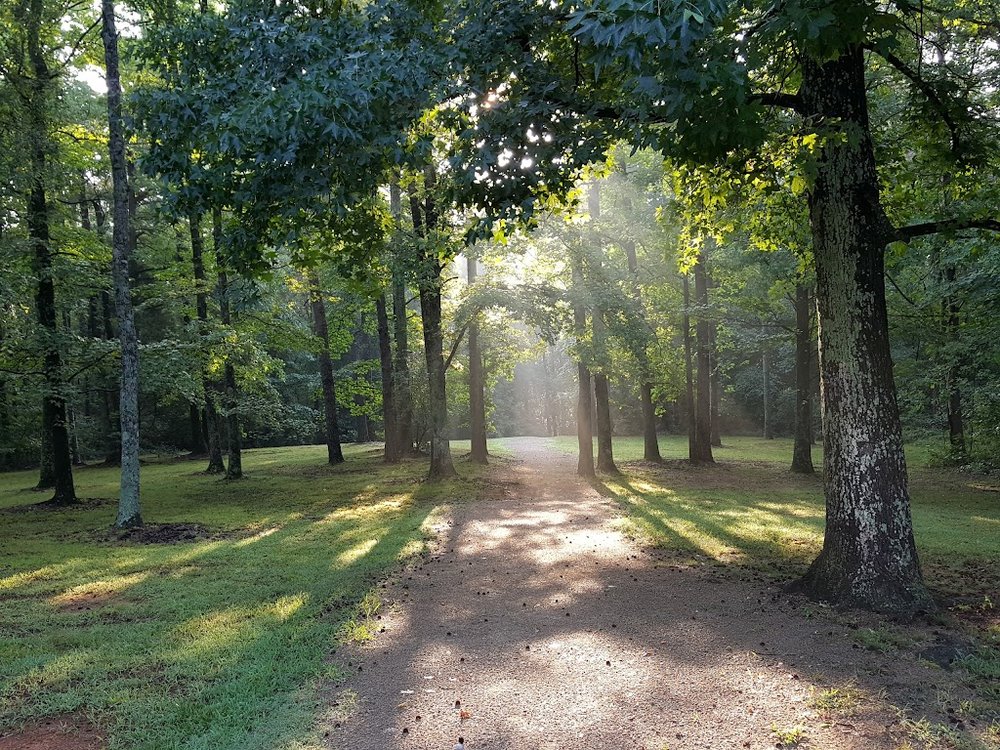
100, 589
256, 537
216, 643
412, 548
355, 553
751, 508
46, 573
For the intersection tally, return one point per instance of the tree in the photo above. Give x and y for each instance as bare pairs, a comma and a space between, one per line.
34, 81
668, 66
129, 514
213, 424
334, 452
477, 397
429, 231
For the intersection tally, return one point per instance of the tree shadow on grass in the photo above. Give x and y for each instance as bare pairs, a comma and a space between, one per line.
529, 620
217, 643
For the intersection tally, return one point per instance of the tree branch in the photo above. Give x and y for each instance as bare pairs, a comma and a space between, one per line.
927, 90
905, 234
778, 99
458, 340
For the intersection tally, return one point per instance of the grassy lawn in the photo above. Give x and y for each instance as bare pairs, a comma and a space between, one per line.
218, 642
751, 509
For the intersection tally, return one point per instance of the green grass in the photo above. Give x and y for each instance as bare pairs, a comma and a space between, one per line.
216, 643
750, 508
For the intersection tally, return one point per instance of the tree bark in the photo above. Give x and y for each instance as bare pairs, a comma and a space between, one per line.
234, 470
430, 311
703, 402
802, 462
605, 448
334, 452
54, 422
390, 428
429, 284
477, 395
123, 242
869, 558
584, 407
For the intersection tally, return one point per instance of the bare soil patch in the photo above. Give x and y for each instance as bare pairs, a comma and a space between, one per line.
166, 533
57, 733
536, 623
85, 601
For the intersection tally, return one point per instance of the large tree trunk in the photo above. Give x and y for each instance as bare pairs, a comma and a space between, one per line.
477, 394
605, 448
123, 241
54, 422
234, 470
584, 403
802, 462
334, 452
869, 558
703, 402
390, 428
650, 441
429, 283
46, 469
213, 425
430, 311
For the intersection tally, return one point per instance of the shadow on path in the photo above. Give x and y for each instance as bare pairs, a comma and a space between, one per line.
539, 618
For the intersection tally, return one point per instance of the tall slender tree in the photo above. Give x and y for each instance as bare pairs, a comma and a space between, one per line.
36, 88
213, 423
426, 216
389, 414
477, 395
129, 514
584, 405
334, 452
703, 392
234, 469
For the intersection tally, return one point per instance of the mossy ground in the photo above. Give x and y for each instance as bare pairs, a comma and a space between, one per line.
217, 642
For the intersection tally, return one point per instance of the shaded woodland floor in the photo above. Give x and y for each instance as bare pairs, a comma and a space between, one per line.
541, 622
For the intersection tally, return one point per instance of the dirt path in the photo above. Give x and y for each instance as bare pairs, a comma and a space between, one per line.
555, 631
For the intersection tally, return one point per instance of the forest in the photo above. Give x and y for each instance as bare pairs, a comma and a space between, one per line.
321, 275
